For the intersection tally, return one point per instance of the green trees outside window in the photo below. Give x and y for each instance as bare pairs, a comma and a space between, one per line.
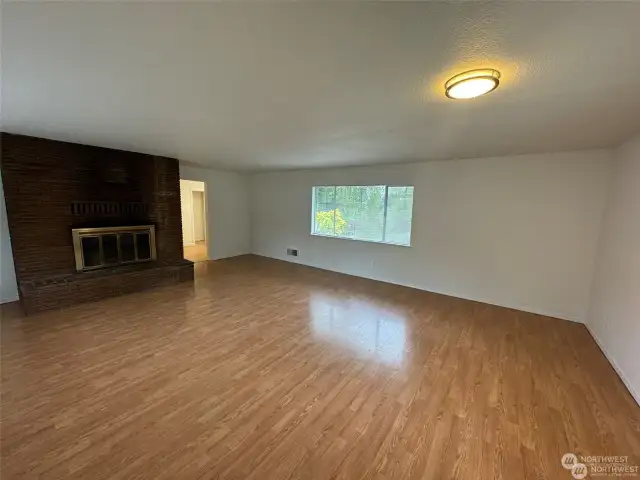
375, 213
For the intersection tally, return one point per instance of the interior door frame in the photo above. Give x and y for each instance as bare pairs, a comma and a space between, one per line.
204, 214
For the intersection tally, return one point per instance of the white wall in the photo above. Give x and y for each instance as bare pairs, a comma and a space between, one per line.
614, 317
199, 227
186, 212
227, 198
517, 231
8, 288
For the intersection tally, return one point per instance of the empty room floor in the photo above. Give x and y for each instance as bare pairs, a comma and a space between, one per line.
196, 252
269, 370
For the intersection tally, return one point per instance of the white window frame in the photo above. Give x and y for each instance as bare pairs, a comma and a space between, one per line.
384, 218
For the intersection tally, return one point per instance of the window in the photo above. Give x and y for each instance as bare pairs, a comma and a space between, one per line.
375, 213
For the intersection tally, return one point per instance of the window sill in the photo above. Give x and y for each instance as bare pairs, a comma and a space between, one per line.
376, 242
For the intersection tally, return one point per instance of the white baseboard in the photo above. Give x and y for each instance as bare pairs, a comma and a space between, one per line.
542, 312
632, 391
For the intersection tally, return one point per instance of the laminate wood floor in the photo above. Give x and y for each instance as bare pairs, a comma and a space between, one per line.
196, 252
267, 370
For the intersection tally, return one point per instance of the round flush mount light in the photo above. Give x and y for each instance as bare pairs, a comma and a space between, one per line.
472, 84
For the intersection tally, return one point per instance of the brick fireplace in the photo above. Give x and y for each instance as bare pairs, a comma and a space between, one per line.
119, 201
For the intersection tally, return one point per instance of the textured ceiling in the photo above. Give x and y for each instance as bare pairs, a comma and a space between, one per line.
263, 85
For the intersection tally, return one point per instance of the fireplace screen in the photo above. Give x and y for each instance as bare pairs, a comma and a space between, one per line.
109, 247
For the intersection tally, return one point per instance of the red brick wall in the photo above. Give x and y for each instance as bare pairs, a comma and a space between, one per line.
42, 178
48, 294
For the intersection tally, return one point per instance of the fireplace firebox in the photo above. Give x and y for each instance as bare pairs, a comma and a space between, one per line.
112, 246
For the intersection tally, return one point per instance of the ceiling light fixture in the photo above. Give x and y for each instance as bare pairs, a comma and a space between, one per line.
472, 84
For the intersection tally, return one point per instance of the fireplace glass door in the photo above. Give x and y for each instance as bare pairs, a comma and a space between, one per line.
108, 247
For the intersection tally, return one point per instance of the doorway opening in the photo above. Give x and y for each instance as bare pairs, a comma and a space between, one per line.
193, 202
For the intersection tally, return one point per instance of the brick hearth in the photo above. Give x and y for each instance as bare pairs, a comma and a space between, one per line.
51, 187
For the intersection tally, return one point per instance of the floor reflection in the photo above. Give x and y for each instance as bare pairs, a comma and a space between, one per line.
359, 326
